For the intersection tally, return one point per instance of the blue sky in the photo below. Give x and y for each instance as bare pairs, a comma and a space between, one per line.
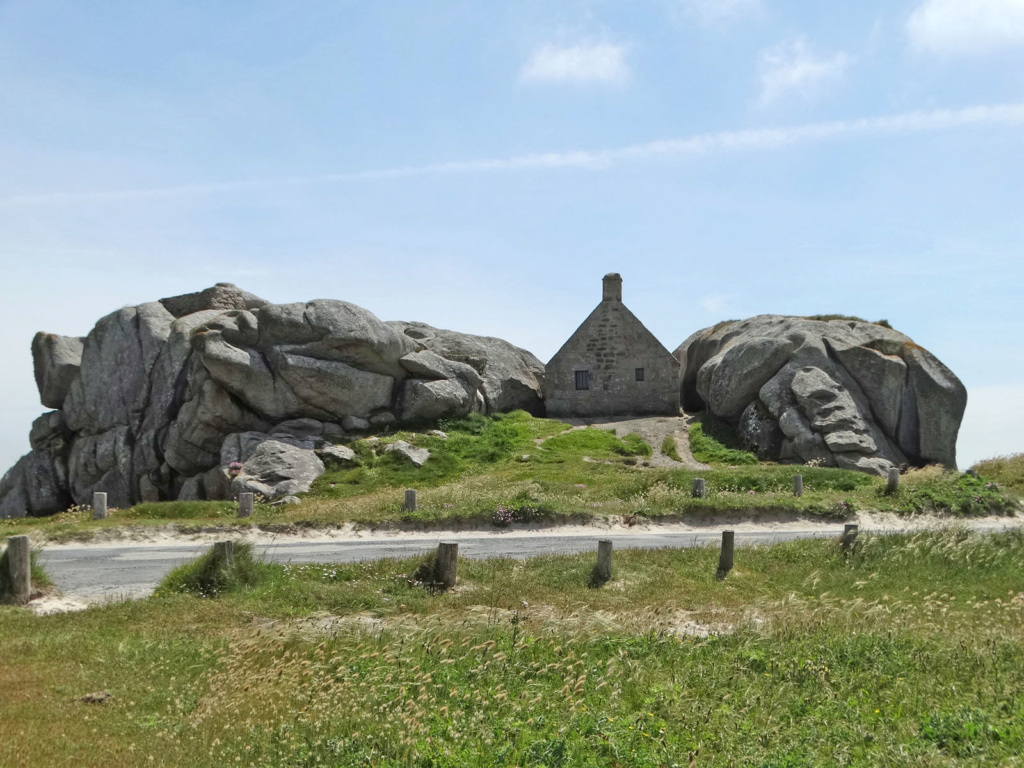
480, 166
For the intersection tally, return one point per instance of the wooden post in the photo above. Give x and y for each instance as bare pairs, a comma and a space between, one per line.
410, 500
604, 560
699, 488
245, 504
849, 539
224, 554
19, 560
725, 559
99, 505
798, 485
892, 483
447, 563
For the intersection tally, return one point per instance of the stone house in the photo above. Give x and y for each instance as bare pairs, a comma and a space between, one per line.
612, 366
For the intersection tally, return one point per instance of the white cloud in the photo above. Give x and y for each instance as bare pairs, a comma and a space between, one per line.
993, 424
721, 11
791, 67
765, 139
578, 64
967, 26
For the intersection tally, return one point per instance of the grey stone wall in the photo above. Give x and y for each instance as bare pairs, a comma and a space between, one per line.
611, 344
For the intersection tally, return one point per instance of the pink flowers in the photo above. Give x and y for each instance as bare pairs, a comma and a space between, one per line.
235, 468
503, 515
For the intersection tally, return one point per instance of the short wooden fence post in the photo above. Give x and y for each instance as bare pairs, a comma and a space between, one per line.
447, 563
99, 505
245, 504
892, 482
798, 485
849, 539
725, 559
604, 559
410, 500
19, 560
224, 554
699, 488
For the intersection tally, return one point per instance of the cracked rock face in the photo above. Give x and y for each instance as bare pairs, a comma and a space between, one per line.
840, 392
158, 400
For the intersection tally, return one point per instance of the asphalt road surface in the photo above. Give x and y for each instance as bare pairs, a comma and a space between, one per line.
133, 570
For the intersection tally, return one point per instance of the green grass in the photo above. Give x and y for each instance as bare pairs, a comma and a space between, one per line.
707, 445
668, 447
907, 652
181, 510
633, 445
1007, 471
207, 576
546, 471
474, 444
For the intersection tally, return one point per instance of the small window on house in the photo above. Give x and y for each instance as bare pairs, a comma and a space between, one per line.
582, 379
639, 374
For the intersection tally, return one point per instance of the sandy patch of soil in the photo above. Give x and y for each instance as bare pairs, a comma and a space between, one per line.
47, 605
741, 521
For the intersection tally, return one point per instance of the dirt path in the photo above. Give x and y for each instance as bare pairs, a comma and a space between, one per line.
653, 429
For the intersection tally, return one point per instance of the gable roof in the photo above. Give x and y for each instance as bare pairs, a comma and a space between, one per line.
618, 313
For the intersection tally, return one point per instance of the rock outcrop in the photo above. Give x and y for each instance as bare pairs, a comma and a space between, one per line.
843, 393
159, 399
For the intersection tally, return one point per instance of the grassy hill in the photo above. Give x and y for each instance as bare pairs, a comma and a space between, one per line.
514, 468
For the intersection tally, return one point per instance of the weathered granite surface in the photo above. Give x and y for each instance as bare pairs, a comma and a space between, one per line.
844, 393
158, 400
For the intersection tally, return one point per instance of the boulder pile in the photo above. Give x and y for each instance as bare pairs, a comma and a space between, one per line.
844, 393
204, 395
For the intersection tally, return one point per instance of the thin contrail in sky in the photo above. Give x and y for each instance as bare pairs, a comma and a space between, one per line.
745, 140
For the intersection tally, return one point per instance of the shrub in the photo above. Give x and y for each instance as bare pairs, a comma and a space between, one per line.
668, 447
206, 577
1008, 471
633, 445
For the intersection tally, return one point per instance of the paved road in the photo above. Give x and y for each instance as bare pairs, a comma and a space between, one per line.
133, 570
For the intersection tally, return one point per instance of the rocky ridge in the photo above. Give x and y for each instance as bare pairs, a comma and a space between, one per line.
844, 393
208, 394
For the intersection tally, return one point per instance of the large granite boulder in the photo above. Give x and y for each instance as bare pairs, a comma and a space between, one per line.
38, 483
841, 393
151, 404
512, 378
56, 360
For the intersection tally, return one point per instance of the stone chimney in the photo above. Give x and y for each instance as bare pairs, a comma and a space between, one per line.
612, 287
